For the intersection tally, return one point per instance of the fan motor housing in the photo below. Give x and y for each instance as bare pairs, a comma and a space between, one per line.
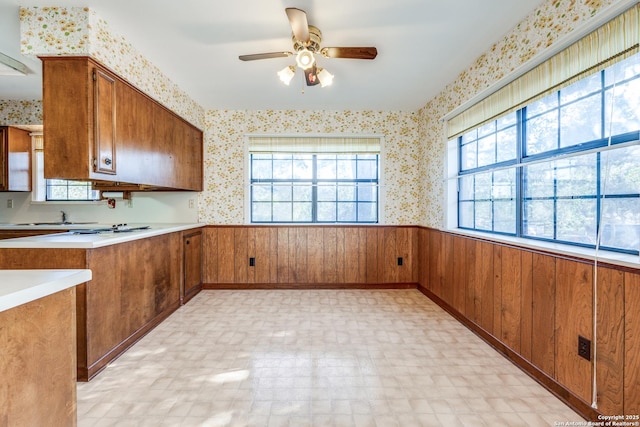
315, 38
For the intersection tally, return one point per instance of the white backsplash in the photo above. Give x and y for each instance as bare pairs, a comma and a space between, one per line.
146, 208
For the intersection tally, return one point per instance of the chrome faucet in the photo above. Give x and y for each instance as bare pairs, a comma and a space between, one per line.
64, 217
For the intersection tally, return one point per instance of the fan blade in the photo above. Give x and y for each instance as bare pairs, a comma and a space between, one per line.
350, 52
299, 24
264, 56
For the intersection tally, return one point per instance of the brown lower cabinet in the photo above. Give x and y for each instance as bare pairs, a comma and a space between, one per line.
192, 264
38, 362
135, 286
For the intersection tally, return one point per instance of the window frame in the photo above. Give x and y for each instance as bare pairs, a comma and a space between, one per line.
523, 160
315, 182
381, 189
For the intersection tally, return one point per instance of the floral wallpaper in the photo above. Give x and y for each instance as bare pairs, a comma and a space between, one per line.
547, 24
79, 31
20, 112
222, 201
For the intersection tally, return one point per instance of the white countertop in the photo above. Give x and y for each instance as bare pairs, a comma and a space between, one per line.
71, 240
19, 287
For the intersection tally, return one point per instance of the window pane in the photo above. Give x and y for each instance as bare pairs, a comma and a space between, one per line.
302, 212
367, 212
623, 70
346, 193
507, 144
326, 192
576, 176
504, 216
282, 167
538, 220
581, 88
327, 167
302, 193
465, 214
326, 212
466, 188
282, 193
483, 217
482, 187
543, 105
487, 150
581, 122
504, 184
542, 133
302, 167
621, 219
539, 180
367, 193
621, 171
469, 156
470, 136
367, 169
282, 212
261, 169
346, 212
488, 129
576, 221
625, 102
261, 193
260, 212
346, 168
510, 119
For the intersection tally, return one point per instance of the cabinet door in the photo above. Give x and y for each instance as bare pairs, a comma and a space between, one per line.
105, 123
192, 264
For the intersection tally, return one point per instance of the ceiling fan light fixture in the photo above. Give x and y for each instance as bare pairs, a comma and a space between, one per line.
286, 74
325, 77
305, 59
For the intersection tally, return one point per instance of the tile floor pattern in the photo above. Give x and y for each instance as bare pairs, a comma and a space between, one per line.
314, 358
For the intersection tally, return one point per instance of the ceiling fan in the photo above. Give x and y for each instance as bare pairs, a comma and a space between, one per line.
306, 43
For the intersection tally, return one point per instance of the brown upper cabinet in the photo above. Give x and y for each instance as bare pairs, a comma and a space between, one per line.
98, 127
15, 159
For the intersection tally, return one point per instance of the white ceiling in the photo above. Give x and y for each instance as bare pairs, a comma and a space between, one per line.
422, 46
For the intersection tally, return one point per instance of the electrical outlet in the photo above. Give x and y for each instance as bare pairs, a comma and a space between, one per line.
192, 203
10, 203
584, 347
400, 260
252, 262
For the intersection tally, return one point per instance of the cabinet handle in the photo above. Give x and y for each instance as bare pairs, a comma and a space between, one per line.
107, 161
187, 242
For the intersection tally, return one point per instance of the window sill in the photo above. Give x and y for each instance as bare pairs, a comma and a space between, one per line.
609, 257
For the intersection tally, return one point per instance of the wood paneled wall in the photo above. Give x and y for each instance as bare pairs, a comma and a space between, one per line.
302, 256
534, 305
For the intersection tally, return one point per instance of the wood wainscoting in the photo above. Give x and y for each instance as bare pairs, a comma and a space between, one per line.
532, 306
273, 257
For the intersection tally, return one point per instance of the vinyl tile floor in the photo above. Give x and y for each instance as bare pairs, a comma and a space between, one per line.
273, 358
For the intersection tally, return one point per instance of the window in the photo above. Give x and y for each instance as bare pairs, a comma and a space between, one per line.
563, 168
56, 189
307, 180
66, 190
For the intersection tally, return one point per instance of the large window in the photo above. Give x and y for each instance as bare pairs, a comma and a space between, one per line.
563, 168
314, 180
